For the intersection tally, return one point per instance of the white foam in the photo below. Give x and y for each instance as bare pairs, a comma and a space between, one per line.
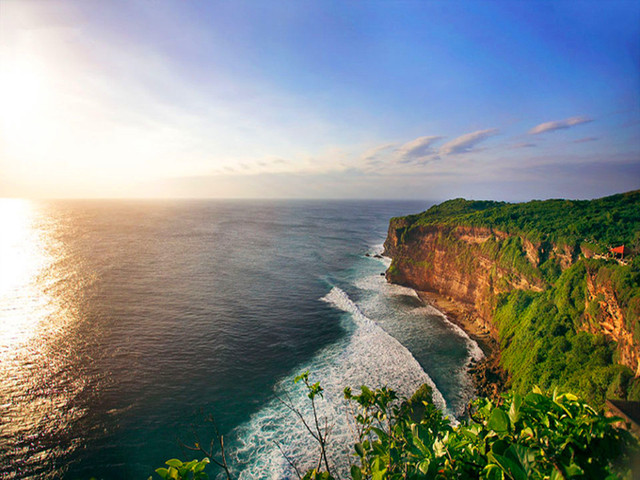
367, 356
409, 320
376, 253
379, 284
475, 352
386, 355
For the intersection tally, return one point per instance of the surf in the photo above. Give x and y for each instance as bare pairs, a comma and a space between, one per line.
367, 355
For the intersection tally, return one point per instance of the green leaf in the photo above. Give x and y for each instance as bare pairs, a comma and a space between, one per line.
201, 465
420, 444
573, 470
509, 466
356, 473
498, 421
359, 449
377, 464
174, 462
439, 448
382, 435
303, 376
556, 475
163, 472
514, 409
423, 466
522, 455
499, 447
493, 472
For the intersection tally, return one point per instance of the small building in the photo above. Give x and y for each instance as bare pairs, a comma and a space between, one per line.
619, 252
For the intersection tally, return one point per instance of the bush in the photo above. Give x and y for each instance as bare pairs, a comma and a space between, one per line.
536, 436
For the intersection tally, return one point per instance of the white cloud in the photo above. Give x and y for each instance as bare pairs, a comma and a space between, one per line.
372, 154
558, 125
417, 148
465, 143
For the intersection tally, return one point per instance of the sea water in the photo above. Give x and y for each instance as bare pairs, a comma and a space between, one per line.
124, 324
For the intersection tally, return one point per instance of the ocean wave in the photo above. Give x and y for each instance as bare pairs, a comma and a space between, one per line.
400, 310
475, 352
367, 356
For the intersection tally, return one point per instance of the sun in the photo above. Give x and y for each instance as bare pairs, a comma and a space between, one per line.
22, 94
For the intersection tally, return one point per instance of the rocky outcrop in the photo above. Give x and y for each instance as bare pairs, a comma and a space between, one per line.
459, 262
604, 315
472, 266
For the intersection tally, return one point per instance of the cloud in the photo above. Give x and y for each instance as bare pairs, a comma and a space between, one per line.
524, 145
559, 125
417, 148
586, 139
465, 143
371, 156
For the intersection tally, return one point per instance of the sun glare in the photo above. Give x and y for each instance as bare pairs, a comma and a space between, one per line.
21, 260
22, 95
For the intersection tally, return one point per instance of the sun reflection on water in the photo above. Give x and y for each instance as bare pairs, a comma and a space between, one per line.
40, 374
22, 259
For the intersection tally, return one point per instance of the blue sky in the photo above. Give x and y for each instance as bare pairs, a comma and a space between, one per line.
190, 98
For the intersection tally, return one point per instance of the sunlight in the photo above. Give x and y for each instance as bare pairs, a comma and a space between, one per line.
21, 260
22, 94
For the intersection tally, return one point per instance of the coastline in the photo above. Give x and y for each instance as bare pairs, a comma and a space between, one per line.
488, 377
463, 317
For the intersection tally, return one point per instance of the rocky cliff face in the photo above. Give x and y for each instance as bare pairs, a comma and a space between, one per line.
454, 261
470, 266
604, 315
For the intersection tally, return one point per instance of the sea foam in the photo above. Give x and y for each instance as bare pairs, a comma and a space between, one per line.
415, 318
366, 356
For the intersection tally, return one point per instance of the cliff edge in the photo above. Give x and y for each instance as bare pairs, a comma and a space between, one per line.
541, 280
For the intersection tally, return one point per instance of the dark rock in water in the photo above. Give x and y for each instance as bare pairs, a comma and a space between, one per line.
377, 256
367, 255
382, 274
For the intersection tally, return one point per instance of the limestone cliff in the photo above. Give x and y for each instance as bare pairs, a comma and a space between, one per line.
461, 263
479, 266
605, 315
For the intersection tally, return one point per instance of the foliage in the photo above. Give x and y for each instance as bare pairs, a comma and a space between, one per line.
541, 342
625, 281
606, 221
315, 428
178, 470
536, 436
532, 437
541, 333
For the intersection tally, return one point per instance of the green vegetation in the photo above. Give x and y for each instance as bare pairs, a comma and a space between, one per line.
544, 334
542, 344
193, 470
606, 221
536, 436
625, 281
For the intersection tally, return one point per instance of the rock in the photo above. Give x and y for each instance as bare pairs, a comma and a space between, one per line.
489, 378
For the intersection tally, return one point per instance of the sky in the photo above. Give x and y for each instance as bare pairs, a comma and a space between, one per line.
506, 100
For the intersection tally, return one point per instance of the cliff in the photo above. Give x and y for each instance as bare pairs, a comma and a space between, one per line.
521, 274
607, 314
465, 264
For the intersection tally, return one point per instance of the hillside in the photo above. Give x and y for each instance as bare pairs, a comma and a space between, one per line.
538, 278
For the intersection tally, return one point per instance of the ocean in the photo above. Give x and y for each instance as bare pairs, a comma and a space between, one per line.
124, 324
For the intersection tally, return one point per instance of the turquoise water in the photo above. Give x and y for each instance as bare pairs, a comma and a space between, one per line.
124, 323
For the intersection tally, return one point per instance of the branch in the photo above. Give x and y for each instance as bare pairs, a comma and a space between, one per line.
289, 461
